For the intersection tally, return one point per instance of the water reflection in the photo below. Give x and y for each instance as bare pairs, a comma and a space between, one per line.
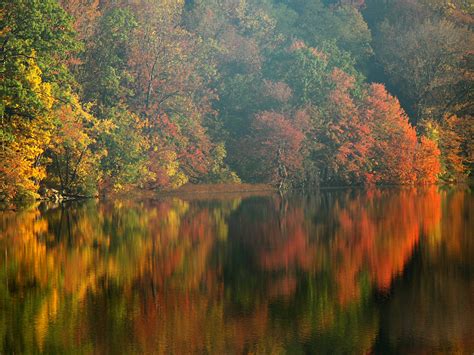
339, 271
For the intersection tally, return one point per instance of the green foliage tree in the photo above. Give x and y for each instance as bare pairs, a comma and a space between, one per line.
429, 62
37, 41
157, 94
316, 23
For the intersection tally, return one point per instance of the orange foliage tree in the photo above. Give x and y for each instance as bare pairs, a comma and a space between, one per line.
349, 138
427, 161
395, 141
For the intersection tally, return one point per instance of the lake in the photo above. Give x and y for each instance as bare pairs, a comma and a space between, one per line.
337, 271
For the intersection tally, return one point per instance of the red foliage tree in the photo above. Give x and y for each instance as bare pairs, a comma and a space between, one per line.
276, 145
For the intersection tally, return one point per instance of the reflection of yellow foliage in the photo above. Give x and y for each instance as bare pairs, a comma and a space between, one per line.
222, 227
46, 314
222, 230
164, 241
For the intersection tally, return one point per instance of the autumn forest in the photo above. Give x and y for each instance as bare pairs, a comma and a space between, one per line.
101, 96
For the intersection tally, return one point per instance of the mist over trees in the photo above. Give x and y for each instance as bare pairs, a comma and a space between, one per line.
105, 95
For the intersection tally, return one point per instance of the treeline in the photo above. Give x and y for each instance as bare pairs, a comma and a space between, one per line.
101, 95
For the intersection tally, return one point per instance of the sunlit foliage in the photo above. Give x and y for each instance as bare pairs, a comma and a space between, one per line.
155, 94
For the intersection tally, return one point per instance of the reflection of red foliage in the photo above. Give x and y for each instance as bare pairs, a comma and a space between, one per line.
289, 246
375, 236
285, 287
379, 238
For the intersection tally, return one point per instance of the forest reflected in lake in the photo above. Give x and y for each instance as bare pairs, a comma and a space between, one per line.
383, 270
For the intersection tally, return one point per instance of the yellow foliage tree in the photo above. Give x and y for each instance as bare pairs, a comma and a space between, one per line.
25, 131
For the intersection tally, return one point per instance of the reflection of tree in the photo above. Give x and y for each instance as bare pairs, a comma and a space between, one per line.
372, 234
319, 261
258, 275
65, 262
377, 235
433, 308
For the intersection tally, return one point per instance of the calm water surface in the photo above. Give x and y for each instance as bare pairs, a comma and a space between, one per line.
382, 271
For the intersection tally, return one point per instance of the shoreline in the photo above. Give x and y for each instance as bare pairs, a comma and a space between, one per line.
215, 191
